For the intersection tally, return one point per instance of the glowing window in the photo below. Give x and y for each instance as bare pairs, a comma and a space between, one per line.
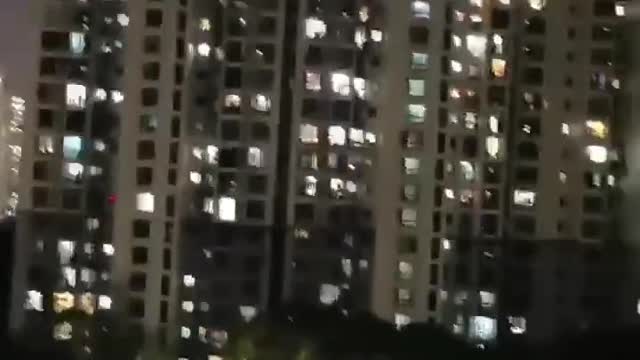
308, 134
409, 217
337, 135
195, 177
477, 45
416, 87
227, 209
248, 313
411, 165
76, 96
232, 102
189, 281
204, 24
261, 103
62, 331
329, 294
417, 113
420, 9
255, 157
62, 301
77, 42
524, 198
187, 306
33, 301
597, 128
419, 60
104, 302
310, 185
405, 270
315, 28
71, 147
468, 170
108, 249
537, 4
341, 84
482, 328
203, 49
498, 68
313, 81
598, 154
455, 66
517, 324
145, 202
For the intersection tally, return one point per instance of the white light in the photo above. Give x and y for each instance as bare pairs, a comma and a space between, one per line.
315, 28
337, 135
185, 332
187, 306
329, 294
108, 249
598, 154
203, 49
248, 313
620, 9
104, 302
195, 177
524, 198
76, 96
205, 24
482, 328
145, 202
227, 209
401, 320
123, 19
446, 244
188, 280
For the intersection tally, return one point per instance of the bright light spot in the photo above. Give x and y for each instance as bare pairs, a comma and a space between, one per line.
203, 49
227, 209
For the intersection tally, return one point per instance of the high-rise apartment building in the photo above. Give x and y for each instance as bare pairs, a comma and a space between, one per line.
185, 162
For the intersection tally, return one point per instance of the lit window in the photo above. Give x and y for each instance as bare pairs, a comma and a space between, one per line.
405, 270
313, 81
401, 320
209, 205
34, 301
408, 217
62, 331
598, 154
456, 40
195, 177
104, 302
308, 134
524, 198
494, 146
211, 154
477, 45
419, 60
73, 171
187, 306
482, 328
255, 157
123, 19
261, 103
565, 129
517, 324
455, 66
498, 67
411, 165
66, 250
329, 294
204, 24
87, 303
620, 9
337, 187
100, 94
310, 185
468, 170
597, 128
487, 299
537, 4
227, 209
45, 144
108, 249
360, 36
337, 135
71, 147
341, 83
449, 193
232, 101
145, 202
416, 87
360, 87
376, 35
185, 332
248, 313
76, 96
420, 9
417, 113
188, 281
315, 28
77, 42
356, 137
62, 301
562, 176
204, 49
446, 244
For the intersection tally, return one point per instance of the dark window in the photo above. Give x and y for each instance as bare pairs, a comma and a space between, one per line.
149, 96
177, 100
139, 255
182, 21
180, 48
40, 196
75, 121
71, 199
164, 311
260, 131
136, 308
146, 150
171, 205
151, 71
40, 171
255, 209
164, 285
138, 281
166, 259
178, 74
419, 34
45, 118
144, 176
257, 184
172, 177
152, 44
230, 130
173, 152
141, 228
154, 18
